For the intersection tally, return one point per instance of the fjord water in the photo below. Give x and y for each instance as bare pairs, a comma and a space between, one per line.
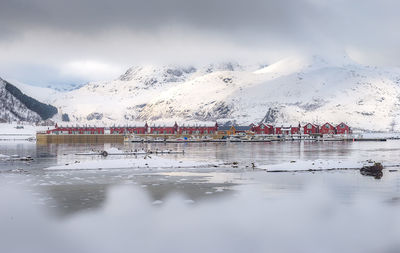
216, 209
260, 153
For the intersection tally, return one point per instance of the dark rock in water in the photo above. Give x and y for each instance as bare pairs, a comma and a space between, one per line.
373, 170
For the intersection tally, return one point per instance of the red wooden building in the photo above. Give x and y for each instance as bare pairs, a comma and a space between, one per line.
262, 129
343, 128
327, 128
198, 129
310, 129
164, 129
278, 130
129, 130
76, 130
287, 130
295, 130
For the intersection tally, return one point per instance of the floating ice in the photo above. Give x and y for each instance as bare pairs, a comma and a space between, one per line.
143, 162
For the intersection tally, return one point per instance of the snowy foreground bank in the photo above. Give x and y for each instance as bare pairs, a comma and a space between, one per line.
142, 162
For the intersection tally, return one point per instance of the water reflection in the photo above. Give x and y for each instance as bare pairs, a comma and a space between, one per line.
68, 192
262, 153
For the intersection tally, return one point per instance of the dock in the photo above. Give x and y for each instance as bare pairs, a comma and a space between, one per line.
43, 138
79, 138
367, 139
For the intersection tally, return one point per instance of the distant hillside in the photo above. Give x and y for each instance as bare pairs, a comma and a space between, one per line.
15, 105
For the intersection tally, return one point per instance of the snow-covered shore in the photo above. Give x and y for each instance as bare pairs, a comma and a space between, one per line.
15, 131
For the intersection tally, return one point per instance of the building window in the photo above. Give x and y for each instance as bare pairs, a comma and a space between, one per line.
327, 126
309, 126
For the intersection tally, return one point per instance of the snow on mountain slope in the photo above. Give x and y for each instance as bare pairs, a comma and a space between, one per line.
299, 89
45, 95
123, 100
11, 109
364, 97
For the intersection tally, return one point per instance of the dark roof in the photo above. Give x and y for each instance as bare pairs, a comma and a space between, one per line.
238, 128
242, 128
224, 128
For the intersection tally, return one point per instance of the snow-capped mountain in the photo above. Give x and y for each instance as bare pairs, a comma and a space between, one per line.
156, 75
123, 100
16, 106
298, 89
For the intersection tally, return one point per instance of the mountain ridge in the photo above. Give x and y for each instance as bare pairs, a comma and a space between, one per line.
296, 89
16, 106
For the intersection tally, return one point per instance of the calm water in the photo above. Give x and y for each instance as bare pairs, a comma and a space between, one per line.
70, 191
231, 209
261, 153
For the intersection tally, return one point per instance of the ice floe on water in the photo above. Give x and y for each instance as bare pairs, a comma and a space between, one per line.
4, 156
314, 165
116, 151
154, 161
140, 162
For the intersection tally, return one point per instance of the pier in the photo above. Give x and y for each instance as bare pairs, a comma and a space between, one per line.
43, 138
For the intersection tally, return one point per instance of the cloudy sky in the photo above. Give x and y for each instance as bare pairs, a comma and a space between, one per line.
59, 42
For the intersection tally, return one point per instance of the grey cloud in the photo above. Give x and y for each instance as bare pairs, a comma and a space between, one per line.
122, 31
252, 21
76, 14
260, 17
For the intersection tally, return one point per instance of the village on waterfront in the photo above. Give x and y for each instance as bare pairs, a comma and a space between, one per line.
200, 133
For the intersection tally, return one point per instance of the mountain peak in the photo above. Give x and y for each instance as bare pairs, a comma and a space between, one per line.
222, 66
151, 75
303, 63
